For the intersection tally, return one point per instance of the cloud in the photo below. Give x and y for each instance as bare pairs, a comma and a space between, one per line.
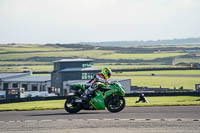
65, 21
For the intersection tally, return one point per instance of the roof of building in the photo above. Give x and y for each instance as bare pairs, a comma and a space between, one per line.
73, 60
80, 69
30, 78
7, 75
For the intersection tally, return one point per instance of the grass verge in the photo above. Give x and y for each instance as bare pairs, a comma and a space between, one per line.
164, 82
165, 101
130, 102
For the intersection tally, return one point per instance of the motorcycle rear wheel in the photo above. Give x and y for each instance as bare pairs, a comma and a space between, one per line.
115, 103
71, 106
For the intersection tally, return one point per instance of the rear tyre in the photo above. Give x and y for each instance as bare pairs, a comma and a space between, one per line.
115, 103
71, 106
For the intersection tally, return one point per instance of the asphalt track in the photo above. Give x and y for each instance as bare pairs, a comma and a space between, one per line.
183, 119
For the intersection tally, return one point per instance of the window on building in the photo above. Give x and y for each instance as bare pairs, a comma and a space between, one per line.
86, 65
5, 86
1, 88
90, 75
56, 66
49, 90
42, 88
53, 90
34, 87
87, 75
84, 75
15, 85
25, 86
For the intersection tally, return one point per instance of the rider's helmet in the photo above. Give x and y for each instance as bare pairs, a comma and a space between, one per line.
106, 73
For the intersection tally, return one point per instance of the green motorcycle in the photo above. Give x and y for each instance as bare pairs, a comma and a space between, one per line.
105, 96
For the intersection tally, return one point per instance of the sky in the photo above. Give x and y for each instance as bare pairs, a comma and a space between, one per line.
74, 21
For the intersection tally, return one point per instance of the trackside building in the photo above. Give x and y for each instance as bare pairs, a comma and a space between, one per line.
69, 71
20, 85
65, 73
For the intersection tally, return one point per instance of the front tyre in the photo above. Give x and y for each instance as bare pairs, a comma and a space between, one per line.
115, 103
71, 106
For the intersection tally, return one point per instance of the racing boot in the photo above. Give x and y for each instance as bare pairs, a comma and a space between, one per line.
86, 93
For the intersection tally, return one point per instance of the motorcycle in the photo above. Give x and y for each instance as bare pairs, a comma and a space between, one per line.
110, 96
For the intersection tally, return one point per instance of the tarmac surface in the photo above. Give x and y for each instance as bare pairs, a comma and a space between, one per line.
183, 119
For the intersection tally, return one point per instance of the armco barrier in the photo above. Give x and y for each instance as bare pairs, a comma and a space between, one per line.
127, 95
29, 99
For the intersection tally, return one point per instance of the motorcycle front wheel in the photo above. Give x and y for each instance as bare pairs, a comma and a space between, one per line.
71, 106
115, 103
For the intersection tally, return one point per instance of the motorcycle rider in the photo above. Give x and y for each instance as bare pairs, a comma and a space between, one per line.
103, 77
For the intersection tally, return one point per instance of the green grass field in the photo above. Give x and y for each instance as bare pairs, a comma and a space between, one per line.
165, 101
25, 55
24, 62
37, 68
98, 54
164, 82
186, 60
130, 66
171, 72
9, 62
130, 102
30, 48
64, 54
142, 56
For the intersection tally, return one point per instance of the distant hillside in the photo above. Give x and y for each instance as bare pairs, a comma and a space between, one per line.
150, 42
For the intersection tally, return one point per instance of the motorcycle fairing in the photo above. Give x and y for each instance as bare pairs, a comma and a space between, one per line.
98, 101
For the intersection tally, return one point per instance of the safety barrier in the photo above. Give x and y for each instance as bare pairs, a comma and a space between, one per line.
127, 95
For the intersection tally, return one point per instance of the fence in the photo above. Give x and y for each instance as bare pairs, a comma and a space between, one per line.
127, 95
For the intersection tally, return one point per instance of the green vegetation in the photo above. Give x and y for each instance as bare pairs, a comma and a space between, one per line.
164, 82
144, 78
24, 63
165, 101
186, 60
174, 72
16, 58
83, 54
130, 102
37, 68
30, 48
39, 57
32, 55
142, 56
38, 105
130, 66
